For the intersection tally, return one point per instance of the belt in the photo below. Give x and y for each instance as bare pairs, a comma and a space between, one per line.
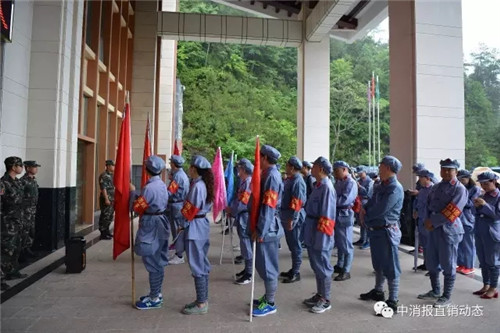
312, 217
157, 213
199, 216
389, 226
175, 201
344, 207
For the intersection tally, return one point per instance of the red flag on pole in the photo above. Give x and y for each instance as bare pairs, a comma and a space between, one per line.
255, 188
146, 154
219, 185
176, 148
121, 239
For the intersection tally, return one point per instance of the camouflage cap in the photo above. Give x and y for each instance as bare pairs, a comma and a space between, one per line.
110, 162
13, 160
31, 164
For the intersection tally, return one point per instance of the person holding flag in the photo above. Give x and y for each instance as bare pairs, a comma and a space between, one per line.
293, 215
197, 204
268, 231
239, 211
151, 241
318, 234
178, 190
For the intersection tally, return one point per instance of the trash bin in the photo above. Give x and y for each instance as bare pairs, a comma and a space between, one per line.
407, 223
75, 255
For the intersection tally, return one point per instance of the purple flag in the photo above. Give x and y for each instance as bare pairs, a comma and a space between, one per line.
220, 201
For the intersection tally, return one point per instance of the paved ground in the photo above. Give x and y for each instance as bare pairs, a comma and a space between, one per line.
99, 300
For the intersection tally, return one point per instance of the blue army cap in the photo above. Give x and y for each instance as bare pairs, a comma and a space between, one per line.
372, 175
31, 164
393, 163
270, 152
487, 176
449, 163
246, 165
177, 160
417, 167
155, 164
295, 162
307, 164
462, 173
200, 162
425, 173
110, 162
325, 164
340, 164
360, 168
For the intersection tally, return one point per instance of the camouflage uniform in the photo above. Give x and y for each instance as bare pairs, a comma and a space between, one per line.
107, 212
12, 200
30, 201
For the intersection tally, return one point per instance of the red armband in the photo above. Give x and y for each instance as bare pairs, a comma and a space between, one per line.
295, 204
451, 212
270, 198
140, 205
326, 225
244, 197
189, 210
173, 187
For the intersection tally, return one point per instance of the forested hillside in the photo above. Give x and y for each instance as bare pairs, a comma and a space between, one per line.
234, 92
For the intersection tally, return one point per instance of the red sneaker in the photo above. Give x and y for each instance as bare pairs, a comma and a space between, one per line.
467, 271
420, 249
460, 268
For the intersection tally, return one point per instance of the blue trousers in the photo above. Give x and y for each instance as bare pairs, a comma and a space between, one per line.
423, 234
343, 241
266, 264
441, 254
488, 253
323, 270
246, 249
384, 251
155, 265
197, 253
292, 238
466, 252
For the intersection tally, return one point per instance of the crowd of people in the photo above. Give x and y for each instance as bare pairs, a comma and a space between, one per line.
314, 206
316, 212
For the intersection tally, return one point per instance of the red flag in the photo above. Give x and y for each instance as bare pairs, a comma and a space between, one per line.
176, 148
121, 239
255, 188
219, 185
145, 155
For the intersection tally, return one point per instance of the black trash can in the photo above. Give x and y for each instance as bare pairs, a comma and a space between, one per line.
76, 255
407, 221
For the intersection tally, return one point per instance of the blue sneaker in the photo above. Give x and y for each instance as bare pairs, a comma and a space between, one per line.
256, 302
160, 297
264, 309
365, 246
147, 303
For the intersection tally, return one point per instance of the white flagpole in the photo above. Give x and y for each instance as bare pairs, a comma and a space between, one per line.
254, 246
373, 123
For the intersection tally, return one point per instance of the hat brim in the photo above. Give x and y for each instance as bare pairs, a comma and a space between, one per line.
449, 166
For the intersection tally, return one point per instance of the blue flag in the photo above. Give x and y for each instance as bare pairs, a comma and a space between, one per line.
229, 175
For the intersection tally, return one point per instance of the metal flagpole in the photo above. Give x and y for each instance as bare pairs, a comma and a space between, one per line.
369, 125
132, 256
223, 223
373, 121
254, 246
415, 253
378, 116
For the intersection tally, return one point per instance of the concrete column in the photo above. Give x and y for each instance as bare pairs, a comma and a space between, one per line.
313, 99
168, 73
427, 88
142, 97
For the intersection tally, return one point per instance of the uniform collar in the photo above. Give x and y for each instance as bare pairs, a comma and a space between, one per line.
152, 179
389, 180
494, 193
453, 181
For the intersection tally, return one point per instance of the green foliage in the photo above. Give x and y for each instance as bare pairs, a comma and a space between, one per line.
235, 92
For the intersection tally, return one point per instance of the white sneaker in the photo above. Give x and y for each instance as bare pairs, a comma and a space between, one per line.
236, 248
176, 261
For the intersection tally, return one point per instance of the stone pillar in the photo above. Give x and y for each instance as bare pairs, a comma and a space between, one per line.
52, 129
142, 96
426, 84
166, 98
313, 100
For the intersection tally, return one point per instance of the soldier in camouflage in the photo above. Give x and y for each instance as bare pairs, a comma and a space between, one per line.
30, 185
12, 200
5, 286
106, 199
